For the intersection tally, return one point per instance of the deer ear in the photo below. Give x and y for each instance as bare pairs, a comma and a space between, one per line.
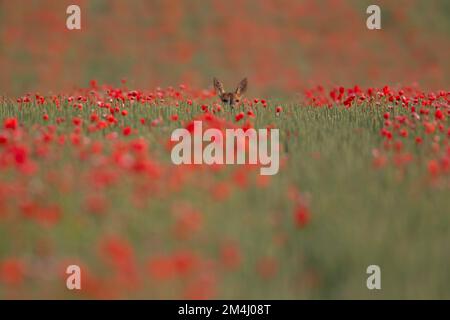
218, 87
242, 86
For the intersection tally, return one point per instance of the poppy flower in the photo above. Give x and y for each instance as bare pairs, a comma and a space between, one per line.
240, 116
10, 123
433, 168
301, 216
12, 271
230, 255
439, 114
126, 131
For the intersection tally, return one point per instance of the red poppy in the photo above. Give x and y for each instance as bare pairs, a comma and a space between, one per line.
12, 271
126, 131
10, 123
230, 255
240, 116
301, 216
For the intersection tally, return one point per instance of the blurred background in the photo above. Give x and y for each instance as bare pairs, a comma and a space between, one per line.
282, 46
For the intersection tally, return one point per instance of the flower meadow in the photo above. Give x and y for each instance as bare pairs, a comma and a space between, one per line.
86, 178
280, 45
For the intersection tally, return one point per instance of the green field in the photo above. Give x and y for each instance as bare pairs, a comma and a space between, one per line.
82, 189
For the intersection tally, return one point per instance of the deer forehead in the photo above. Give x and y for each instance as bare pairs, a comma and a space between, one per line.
229, 95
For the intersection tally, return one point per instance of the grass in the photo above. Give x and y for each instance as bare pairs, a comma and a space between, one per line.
359, 215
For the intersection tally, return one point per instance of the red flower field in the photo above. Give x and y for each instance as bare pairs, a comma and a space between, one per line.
87, 179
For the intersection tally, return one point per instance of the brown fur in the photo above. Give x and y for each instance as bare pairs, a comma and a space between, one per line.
230, 98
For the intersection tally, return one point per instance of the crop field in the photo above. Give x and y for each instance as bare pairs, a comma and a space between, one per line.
87, 179
357, 206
